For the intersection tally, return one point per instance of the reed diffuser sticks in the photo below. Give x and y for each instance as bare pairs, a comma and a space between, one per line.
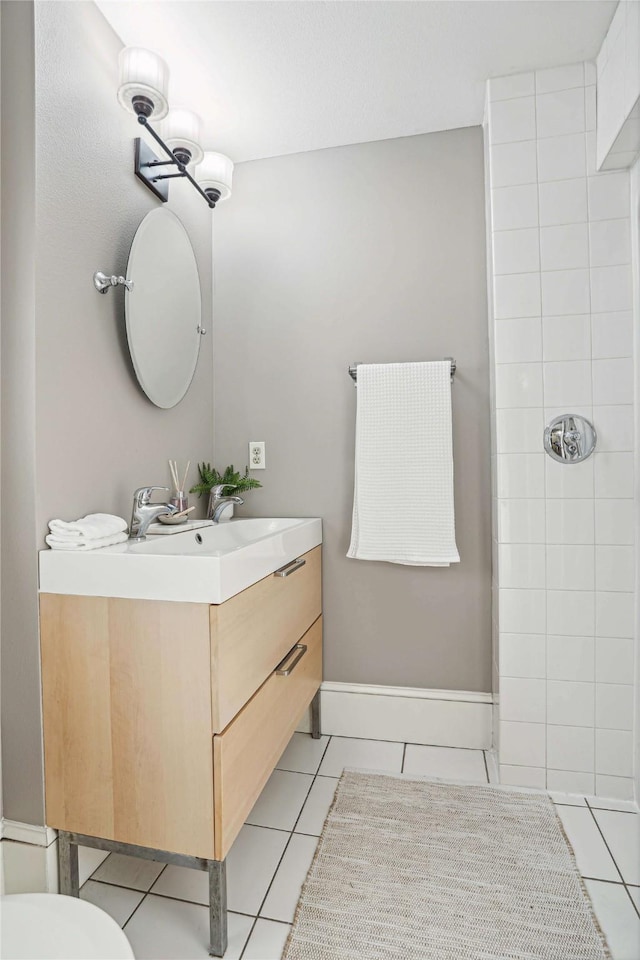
173, 467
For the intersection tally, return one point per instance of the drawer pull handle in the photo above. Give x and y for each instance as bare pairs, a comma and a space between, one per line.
301, 649
290, 568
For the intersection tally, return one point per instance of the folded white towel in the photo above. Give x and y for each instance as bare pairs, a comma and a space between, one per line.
65, 543
94, 526
403, 508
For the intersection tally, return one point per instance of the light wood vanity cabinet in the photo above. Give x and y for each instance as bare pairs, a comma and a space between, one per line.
164, 720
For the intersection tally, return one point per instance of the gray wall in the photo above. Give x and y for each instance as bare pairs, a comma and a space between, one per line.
20, 721
96, 436
0, 402
373, 252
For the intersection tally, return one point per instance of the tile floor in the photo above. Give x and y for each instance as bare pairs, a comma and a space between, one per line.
163, 908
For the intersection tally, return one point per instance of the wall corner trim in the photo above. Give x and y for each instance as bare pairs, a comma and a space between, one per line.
445, 718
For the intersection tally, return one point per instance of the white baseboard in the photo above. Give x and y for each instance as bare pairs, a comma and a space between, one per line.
28, 867
446, 718
28, 858
26, 833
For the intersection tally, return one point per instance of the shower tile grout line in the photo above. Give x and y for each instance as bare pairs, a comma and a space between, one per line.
544, 479
530, 273
593, 504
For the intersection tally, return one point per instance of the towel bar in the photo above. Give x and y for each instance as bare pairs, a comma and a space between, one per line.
353, 370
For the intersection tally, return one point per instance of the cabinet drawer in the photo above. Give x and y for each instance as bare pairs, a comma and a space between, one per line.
246, 753
252, 632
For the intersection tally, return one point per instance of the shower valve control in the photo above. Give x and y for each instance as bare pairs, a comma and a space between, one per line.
570, 438
257, 455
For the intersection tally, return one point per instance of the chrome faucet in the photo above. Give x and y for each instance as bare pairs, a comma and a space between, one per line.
217, 501
144, 511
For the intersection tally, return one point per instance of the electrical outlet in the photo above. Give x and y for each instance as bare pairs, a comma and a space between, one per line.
256, 455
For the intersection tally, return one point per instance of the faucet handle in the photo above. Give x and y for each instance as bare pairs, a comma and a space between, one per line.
218, 490
142, 496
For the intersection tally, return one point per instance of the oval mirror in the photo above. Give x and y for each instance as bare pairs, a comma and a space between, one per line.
163, 308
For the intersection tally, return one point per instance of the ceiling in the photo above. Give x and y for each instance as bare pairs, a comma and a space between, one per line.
270, 78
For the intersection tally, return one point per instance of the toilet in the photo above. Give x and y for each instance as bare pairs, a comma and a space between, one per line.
48, 926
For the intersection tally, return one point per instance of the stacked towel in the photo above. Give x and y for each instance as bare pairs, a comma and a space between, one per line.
89, 533
403, 509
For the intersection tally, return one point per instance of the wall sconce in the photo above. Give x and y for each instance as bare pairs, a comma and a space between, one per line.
182, 131
144, 78
214, 175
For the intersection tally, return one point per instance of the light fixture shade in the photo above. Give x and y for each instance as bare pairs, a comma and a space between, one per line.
216, 172
143, 74
182, 130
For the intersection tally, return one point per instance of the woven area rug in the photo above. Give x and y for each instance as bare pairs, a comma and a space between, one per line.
427, 870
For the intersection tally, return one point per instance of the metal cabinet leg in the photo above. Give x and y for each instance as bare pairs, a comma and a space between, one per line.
315, 716
68, 880
218, 907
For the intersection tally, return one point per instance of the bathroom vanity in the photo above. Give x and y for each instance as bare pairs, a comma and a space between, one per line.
164, 718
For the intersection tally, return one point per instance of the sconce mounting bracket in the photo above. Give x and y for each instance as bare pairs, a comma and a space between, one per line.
146, 168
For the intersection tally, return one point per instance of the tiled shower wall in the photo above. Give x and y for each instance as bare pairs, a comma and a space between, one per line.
563, 342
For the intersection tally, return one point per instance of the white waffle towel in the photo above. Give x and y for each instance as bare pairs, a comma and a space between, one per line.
65, 543
94, 526
403, 498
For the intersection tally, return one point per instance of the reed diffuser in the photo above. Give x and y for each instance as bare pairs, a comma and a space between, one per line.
179, 498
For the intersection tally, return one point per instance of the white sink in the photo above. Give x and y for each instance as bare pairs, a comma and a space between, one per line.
207, 565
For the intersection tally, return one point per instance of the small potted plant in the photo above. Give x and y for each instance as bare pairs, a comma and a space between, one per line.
210, 478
